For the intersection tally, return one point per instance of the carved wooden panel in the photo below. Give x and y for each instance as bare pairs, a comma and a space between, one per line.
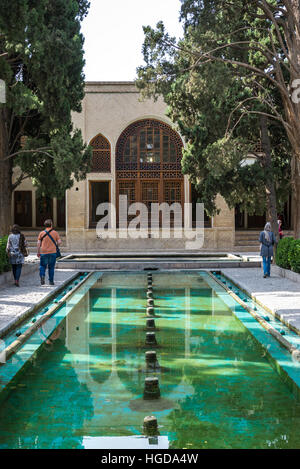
172, 192
150, 174
101, 155
148, 153
127, 188
149, 193
149, 144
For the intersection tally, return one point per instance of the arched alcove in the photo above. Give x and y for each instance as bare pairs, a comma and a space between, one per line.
148, 163
101, 154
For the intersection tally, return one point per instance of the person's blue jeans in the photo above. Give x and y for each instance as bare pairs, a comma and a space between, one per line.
267, 266
17, 269
47, 260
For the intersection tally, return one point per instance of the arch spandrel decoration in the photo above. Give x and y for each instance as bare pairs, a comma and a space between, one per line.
101, 160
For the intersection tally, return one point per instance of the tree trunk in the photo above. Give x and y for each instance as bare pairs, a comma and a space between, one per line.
5, 178
295, 121
270, 186
296, 195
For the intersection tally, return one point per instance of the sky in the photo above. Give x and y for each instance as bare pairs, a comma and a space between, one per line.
114, 35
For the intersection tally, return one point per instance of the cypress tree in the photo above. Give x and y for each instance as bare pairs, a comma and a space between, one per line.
41, 67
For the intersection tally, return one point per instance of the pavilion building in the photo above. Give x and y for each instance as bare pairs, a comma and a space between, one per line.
136, 153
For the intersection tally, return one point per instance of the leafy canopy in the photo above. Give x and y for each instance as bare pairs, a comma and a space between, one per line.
41, 62
216, 104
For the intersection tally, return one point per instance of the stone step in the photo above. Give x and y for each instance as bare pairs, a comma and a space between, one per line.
247, 235
247, 232
33, 246
248, 242
255, 234
255, 249
36, 233
32, 236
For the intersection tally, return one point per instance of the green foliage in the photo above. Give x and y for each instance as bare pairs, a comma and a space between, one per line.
43, 72
216, 104
283, 252
4, 262
294, 255
288, 254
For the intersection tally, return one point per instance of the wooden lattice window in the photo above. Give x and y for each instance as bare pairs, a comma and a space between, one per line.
257, 148
101, 155
128, 188
149, 145
172, 192
148, 156
149, 193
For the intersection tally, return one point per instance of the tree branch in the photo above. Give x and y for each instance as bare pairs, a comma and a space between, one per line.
251, 68
234, 110
21, 178
37, 150
264, 6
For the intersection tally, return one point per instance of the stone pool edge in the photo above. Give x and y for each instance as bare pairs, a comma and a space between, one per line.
289, 376
260, 303
30, 311
5, 391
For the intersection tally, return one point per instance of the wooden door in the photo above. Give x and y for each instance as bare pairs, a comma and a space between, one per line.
61, 213
23, 208
173, 193
44, 210
256, 221
149, 195
129, 189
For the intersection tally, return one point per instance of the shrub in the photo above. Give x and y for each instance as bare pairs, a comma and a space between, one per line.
294, 256
282, 252
4, 262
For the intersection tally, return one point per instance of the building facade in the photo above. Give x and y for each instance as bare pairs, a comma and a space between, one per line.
136, 153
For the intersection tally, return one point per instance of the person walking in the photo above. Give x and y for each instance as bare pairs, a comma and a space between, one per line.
48, 250
280, 230
16, 249
267, 240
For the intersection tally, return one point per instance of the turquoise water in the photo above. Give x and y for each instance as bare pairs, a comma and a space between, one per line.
289, 334
218, 389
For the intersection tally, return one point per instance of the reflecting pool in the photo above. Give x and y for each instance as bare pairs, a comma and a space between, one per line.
218, 388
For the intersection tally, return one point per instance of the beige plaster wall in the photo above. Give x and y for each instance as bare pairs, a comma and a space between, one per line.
108, 108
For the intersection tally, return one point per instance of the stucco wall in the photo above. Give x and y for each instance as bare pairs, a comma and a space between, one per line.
108, 108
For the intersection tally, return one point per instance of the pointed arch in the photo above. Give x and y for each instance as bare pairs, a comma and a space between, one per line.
101, 160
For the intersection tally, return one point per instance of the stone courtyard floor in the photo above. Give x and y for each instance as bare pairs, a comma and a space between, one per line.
16, 302
279, 295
